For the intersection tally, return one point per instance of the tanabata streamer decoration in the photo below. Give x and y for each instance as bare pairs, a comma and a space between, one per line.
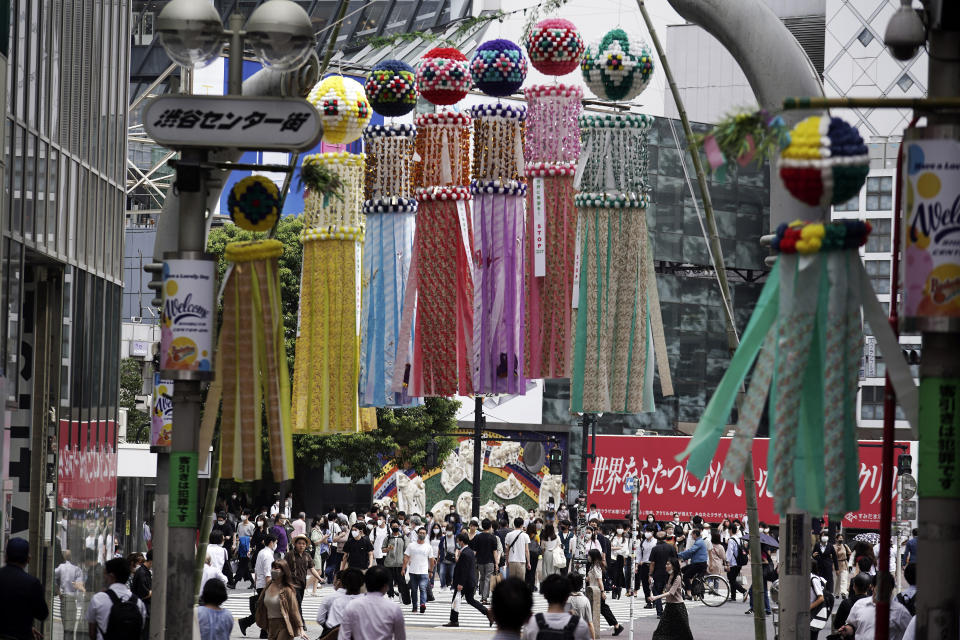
390, 211
343, 106
806, 338
618, 66
825, 163
743, 138
619, 331
392, 88
254, 203
443, 76
554, 46
552, 148
440, 284
252, 376
498, 67
326, 373
498, 193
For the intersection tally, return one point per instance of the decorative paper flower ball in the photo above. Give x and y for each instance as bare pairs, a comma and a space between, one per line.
618, 67
343, 108
392, 88
825, 163
498, 67
254, 203
443, 76
554, 46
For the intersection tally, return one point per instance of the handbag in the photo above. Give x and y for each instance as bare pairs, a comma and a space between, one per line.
559, 557
455, 605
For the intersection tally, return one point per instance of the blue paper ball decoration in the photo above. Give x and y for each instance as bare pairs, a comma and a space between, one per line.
498, 67
392, 88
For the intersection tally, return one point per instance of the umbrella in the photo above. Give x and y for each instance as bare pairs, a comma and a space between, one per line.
870, 537
766, 539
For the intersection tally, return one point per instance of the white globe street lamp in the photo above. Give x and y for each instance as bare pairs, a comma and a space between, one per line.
281, 34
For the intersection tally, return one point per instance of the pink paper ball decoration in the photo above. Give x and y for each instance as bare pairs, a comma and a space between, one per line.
554, 46
444, 76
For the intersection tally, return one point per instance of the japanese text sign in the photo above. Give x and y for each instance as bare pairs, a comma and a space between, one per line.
233, 121
666, 487
539, 229
938, 453
183, 489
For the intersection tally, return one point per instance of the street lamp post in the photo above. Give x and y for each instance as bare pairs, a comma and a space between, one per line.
281, 36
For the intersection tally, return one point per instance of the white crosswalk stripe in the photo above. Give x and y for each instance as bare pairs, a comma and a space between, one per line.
438, 612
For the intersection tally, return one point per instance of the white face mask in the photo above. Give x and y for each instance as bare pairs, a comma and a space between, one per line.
824, 539
648, 534
619, 532
356, 534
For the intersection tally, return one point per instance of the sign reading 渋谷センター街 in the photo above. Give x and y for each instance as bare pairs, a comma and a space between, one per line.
186, 321
666, 487
931, 192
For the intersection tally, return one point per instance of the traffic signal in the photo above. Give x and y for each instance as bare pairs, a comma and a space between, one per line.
904, 461
556, 461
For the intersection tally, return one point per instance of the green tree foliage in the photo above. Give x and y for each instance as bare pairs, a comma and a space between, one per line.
131, 385
402, 434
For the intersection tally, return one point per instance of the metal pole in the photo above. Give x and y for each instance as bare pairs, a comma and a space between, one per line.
235, 77
161, 546
633, 547
733, 340
478, 422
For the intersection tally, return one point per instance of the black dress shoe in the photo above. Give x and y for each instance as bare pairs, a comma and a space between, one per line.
618, 630
452, 624
243, 627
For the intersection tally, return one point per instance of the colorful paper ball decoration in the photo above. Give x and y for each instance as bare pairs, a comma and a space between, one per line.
825, 163
498, 67
254, 203
392, 88
554, 46
617, 67
443, 76
344, 109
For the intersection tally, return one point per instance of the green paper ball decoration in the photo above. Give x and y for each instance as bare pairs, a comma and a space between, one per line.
618, 67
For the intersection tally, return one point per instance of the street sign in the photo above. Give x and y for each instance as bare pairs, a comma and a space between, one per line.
908, 509
238, 122
628, 484
908, 486
183, 489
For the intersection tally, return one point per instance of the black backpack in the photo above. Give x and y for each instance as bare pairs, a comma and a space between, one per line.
743, 554
909, 603
125, 621
545, 632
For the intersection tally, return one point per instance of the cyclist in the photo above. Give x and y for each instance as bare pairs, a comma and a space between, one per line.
696, 552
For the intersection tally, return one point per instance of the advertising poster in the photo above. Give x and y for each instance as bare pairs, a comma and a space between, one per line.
186, 324
161, 411
666, 487
931, 272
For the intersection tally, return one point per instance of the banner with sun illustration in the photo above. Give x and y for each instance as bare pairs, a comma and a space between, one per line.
515, 476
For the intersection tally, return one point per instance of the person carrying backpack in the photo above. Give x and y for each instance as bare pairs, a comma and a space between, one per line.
556, 623
736, 552
821, 604
115, 613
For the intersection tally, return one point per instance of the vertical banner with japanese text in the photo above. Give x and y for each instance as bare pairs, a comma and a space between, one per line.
183, 489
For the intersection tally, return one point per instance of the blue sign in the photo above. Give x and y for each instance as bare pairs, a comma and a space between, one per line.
628, 485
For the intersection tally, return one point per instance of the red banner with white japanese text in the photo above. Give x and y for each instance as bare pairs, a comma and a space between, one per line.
87, 464
666, 487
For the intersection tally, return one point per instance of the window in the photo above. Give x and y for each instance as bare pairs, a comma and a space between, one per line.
905, 82
871, 404
853, 204
880, 193
865, 37
879, 272
879, 239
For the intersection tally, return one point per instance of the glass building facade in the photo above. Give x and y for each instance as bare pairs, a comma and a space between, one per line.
61, 260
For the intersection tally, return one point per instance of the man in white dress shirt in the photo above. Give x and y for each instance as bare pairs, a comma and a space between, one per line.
373, 616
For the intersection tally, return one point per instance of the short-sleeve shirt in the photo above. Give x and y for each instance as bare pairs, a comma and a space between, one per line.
579, 604
419, 554
556, 621
100, 604
517, 541
358, 552
215, 624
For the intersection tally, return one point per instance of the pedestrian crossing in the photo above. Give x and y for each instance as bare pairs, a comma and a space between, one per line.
438, 611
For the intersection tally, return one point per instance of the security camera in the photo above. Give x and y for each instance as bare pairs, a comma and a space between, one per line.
191, 32
905, 32
281, 34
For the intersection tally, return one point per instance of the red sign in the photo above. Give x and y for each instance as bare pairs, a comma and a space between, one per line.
666, 487
87, 469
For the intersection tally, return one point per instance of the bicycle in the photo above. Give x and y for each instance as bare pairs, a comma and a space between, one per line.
710, 589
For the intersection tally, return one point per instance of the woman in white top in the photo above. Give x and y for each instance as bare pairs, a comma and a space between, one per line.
618, 553
548, 542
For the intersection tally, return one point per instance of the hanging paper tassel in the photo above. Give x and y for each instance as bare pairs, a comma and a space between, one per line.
615, 340
440, 285
328, 347
252, 368
390, 211
552, 147
498, 224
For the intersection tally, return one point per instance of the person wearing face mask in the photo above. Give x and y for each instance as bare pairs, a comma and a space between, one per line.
842, 575
394, 548
464, 581
643, 558
262, 569
565, 536
357, 550
301, 567
660, 556
618, 552
825, 560
418, 563
652, 522
445, 553
226, 529
277, 609
245, 531
674, 622
377, 536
